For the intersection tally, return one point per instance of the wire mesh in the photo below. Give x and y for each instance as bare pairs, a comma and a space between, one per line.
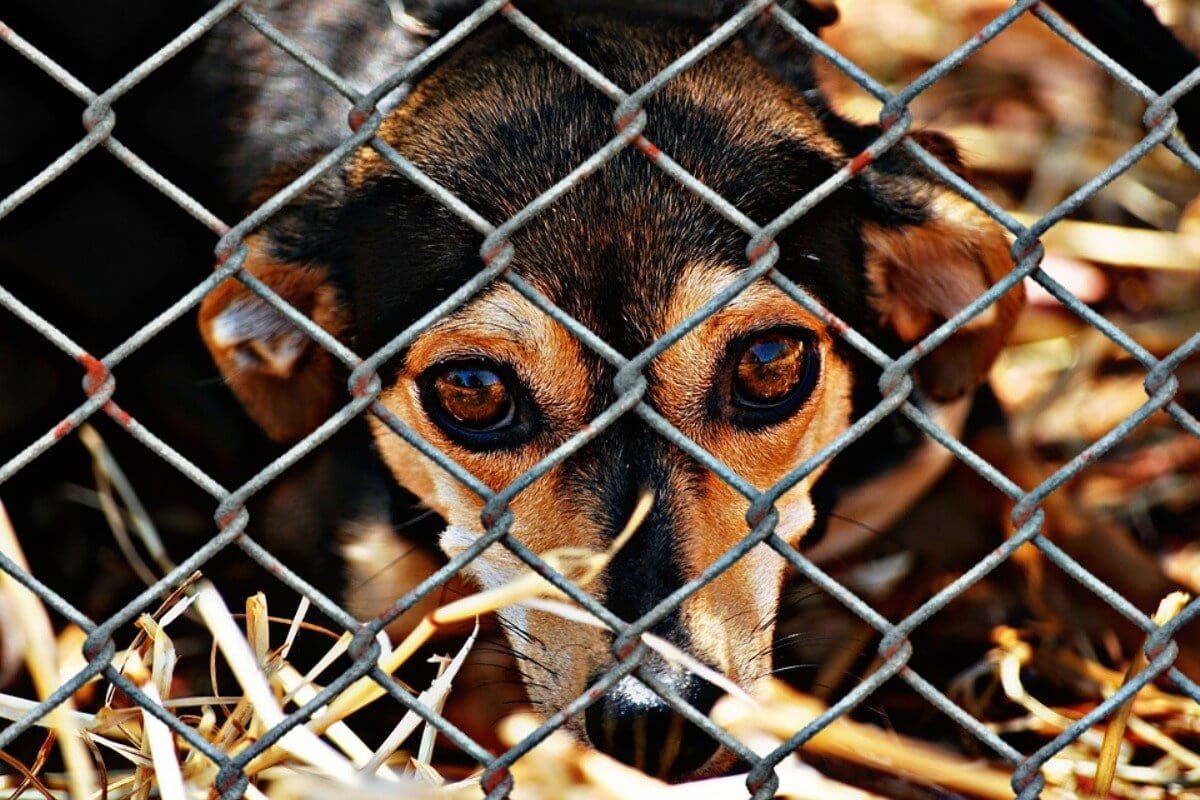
100, 385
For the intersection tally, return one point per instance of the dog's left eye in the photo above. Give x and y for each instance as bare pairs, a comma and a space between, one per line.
477, 402
772, 375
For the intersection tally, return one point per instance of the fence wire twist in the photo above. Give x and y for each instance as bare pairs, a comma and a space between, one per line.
630, 120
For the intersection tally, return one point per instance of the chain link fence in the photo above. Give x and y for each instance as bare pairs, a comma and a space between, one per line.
100, 383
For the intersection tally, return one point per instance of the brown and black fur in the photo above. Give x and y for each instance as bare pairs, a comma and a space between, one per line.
628, 252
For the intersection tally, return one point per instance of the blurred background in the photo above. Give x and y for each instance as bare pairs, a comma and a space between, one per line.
1036, 120
99, 253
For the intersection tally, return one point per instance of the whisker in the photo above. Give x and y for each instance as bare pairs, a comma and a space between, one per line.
531, 660
857, 522
522, 683
521, 633
793, 667
507, 650
842, 641
493, 647
738, 615
382, 570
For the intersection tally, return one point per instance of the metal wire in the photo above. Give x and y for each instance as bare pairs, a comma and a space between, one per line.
630, 119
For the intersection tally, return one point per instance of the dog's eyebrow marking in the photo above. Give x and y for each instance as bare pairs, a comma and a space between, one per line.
701, 281
499, 310
496, 315
513, 333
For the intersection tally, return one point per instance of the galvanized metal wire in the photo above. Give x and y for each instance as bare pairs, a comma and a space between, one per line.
100, 386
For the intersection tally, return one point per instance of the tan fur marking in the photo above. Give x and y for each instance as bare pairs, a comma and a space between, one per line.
505, 327
381, 567
724, 618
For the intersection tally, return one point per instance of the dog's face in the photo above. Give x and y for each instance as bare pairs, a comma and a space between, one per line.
498, 385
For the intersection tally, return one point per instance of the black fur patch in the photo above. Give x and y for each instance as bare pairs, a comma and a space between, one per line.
608, 477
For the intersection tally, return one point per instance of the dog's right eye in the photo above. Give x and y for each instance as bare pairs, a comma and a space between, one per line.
773, 373
477, 402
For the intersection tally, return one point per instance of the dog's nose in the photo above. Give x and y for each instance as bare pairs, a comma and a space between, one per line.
632, 724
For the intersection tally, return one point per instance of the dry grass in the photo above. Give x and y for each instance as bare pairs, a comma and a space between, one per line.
328, 759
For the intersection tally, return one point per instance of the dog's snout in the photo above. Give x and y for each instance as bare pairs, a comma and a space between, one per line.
634, 725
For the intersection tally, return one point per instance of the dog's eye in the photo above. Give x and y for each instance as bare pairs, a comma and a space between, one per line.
773, 374
474, 397
769, 370
477, 402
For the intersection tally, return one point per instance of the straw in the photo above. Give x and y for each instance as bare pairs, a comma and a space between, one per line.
1106, 764
299, 741
785, 711
42, 662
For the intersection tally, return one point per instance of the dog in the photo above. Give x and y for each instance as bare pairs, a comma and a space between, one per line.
497, 385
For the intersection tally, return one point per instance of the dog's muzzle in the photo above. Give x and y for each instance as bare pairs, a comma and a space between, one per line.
634, 725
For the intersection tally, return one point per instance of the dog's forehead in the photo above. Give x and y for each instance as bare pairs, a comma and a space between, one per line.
502, 122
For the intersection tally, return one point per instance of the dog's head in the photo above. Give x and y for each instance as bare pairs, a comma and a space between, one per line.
630, 253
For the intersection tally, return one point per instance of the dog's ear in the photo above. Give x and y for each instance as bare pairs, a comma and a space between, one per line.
928, 254
286, 381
